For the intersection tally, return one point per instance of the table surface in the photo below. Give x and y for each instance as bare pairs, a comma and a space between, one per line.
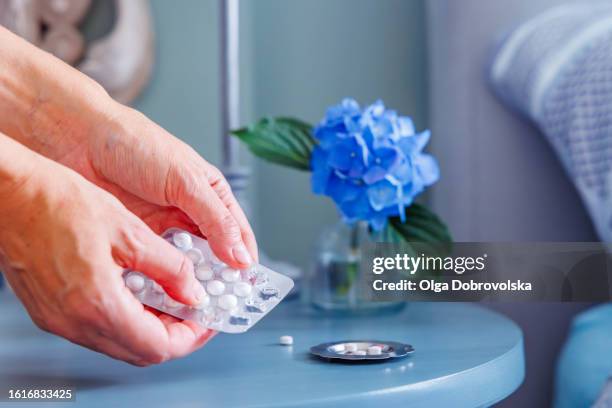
466, 356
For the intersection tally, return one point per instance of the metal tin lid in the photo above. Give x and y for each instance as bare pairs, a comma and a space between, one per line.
360, 350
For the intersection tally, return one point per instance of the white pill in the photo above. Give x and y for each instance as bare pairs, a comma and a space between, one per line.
286, 340
203, 273
195, 255
339, 348
230, 275
227, 302
168, 301
351, 347
242, 289
215, 287
135, 282
182, 240
203, 303
374, 350
360, 353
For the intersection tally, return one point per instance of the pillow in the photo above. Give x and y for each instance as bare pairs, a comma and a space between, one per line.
556, 69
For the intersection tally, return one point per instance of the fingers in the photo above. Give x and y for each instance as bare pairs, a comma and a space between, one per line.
202, 192
222, 188
140, 249
156, 339
184, 337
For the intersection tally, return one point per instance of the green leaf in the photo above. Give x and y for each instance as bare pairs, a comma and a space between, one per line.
285, 141
423, 228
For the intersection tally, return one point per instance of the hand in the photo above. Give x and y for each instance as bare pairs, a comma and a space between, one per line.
63, 246
60, 113
166, 183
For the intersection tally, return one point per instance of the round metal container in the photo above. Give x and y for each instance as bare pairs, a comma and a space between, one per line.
343, 350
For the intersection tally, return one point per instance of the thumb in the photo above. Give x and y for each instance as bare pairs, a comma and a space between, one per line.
140, 249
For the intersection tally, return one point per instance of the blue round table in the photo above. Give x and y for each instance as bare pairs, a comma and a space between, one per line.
466, 356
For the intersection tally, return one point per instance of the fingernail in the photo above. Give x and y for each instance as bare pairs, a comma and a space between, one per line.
242, 255
198, 291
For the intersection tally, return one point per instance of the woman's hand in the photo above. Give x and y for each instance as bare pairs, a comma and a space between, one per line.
63, 246
60, 113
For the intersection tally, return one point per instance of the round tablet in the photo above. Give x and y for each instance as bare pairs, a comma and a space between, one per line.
285, 340
374, 350
338, 348
242, 289
203, 303
182, 240
230, 275
215, 287
227, 302
135, 282
203, 273
195, 255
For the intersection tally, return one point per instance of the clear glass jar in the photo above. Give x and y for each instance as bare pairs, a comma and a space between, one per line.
334, 279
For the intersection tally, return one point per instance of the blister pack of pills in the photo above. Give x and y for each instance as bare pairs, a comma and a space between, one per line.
236, 299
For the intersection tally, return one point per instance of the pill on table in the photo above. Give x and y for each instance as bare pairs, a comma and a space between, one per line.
339, 348
351, 347
227, 302
215, 287
195, 255
374, 350
230, 275
285, 340
242, 289
360, 353
182, 240
203, 273
135, 282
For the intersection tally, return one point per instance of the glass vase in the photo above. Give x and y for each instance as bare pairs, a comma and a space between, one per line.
335, 279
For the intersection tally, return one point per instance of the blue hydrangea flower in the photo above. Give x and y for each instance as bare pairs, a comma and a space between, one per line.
370, 162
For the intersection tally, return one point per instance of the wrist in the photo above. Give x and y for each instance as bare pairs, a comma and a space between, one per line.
19, 170
54, 115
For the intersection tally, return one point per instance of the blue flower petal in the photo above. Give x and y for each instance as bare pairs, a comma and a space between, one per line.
356, 209
320, 171
382, 194
428, 169
341, 190
374, 175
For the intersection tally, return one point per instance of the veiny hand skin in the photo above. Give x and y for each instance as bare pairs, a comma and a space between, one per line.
86, 186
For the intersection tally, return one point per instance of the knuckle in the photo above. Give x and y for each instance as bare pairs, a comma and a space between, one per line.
227, 228
181, 184
223, 190
184, 270
132, 251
